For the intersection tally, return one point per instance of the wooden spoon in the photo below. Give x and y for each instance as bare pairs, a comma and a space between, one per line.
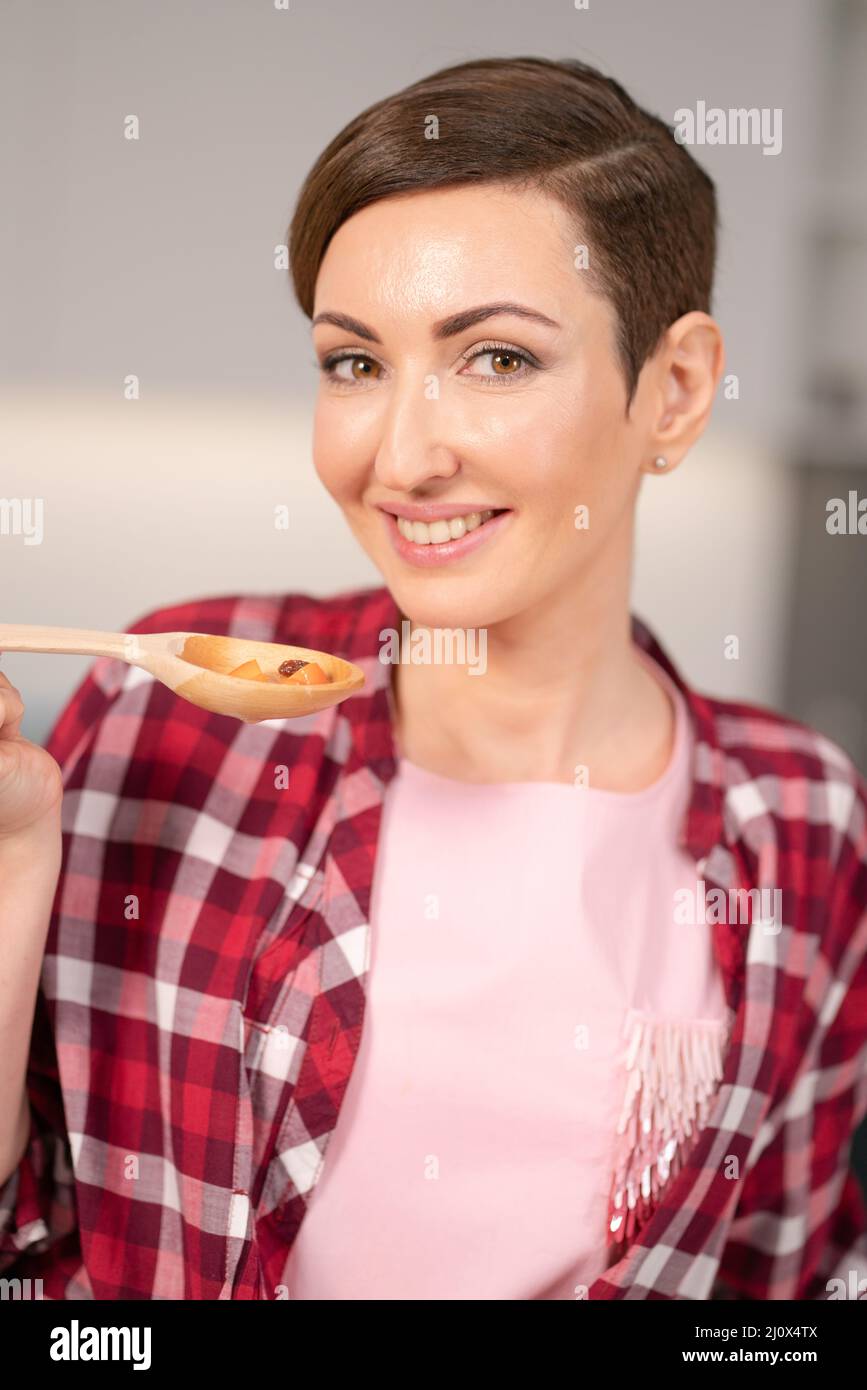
195, 665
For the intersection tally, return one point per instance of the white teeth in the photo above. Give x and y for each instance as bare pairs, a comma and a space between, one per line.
437, 532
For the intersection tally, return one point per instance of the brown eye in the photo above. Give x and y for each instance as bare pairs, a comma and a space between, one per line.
345, 368
497, 362
364, 369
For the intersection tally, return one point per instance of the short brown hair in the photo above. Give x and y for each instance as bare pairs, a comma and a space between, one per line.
645, 208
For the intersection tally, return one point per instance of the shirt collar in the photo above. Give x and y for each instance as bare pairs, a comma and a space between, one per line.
704, 826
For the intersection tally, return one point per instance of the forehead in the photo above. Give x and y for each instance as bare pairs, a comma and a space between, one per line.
429, 251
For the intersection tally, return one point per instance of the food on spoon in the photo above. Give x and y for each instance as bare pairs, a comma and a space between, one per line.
308, 673
251, 671
290, 672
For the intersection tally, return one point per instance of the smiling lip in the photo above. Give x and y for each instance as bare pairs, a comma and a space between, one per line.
442, 553
434, 511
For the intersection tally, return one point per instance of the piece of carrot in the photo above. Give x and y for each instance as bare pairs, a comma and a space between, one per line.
249, 670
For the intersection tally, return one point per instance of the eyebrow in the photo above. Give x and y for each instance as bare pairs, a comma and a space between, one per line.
444, 328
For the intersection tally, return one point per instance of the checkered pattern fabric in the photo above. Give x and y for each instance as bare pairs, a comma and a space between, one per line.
203, 989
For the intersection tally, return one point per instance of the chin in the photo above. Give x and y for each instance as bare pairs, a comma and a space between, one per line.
430, 602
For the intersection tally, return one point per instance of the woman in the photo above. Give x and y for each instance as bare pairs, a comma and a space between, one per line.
605, 936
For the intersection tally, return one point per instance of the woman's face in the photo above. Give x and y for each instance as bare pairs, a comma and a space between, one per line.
427, 409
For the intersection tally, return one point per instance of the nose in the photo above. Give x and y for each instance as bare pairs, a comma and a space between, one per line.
412, 448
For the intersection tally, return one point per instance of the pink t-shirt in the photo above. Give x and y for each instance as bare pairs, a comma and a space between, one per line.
514, 926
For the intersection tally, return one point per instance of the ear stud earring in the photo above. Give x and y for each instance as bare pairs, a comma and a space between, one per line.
660, 462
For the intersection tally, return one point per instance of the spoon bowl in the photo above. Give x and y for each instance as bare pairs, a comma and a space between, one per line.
196, 666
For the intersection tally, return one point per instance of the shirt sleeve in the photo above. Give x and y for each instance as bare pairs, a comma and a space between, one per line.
800, 1228
37, 1201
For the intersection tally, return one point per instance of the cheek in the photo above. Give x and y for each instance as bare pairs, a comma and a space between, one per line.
338, 450
572, 453
555, 444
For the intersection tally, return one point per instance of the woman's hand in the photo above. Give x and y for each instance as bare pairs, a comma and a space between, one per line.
31, 793
31, 784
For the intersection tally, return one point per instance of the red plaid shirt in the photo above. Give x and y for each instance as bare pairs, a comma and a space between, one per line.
203, 989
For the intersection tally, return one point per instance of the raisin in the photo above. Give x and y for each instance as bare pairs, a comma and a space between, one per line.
288, 668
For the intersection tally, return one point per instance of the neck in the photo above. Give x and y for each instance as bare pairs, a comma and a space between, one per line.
563, 689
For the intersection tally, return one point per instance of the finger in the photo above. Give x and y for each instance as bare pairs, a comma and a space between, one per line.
11, 710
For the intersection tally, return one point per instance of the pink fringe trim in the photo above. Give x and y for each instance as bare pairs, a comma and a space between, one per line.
673, 1069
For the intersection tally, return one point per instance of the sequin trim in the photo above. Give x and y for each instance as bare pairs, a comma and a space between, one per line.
673, 1069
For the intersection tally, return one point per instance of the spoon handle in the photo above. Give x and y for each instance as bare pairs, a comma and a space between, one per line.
81, 641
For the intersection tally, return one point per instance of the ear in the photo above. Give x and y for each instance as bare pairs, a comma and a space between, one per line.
688, 364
